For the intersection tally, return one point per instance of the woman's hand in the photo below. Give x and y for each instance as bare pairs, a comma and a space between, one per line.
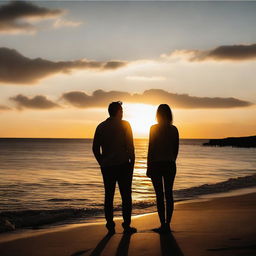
148, 173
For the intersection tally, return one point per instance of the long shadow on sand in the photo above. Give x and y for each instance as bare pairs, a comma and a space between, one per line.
169, 245
123, 247
101, 245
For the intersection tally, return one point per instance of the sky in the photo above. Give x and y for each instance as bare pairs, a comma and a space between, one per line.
63, 62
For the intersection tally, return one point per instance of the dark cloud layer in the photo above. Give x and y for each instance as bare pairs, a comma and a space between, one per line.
234, 52
101, 98
14, 14
16, 68
36, 102
225, 52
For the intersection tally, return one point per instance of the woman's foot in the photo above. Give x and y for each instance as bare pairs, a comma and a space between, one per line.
161, 229
167, 228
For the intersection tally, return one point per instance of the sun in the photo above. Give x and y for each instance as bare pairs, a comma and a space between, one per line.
141, 117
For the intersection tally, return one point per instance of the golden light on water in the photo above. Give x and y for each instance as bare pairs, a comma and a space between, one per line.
141, 117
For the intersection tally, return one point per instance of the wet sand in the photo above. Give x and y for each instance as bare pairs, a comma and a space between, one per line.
220, 226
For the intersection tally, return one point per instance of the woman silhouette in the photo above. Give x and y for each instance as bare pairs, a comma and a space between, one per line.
162, 153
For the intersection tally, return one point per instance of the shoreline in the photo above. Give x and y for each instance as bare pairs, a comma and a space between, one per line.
202, 227
72, 223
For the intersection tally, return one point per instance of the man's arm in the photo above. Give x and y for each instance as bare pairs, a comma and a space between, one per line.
96, 146
130, 145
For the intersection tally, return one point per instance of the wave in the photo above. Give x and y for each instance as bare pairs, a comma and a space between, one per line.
10, 220
66, 199
220, 187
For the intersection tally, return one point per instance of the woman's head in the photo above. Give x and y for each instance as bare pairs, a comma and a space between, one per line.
164, 114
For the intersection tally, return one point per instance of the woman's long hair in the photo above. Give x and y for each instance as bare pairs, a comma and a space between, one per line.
164, 114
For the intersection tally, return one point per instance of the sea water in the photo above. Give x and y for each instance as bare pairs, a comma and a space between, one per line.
58, 175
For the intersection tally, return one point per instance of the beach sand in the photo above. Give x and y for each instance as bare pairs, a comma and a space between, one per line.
220, 226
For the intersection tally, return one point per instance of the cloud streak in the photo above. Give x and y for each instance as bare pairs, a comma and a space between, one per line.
221, 53
15, 15
18, 69
4, 108
146, 78
60, 22
36, 102
102, 98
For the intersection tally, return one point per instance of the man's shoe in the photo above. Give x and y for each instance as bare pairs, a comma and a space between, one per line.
129, 230
111, 228
111, 231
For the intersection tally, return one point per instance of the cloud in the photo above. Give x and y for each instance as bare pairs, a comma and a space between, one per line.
36, 102
15, 16
4, 108
221, 53
16, 68
99, 98
102, 98
146, 78
60, 22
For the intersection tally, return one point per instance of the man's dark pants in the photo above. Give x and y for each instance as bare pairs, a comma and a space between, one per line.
121, 174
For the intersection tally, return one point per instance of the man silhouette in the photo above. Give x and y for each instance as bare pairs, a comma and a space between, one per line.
114, 150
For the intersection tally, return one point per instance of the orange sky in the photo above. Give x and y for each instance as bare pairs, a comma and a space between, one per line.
82, 123
61, 65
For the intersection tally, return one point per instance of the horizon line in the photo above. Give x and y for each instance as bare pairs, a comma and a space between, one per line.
84, 138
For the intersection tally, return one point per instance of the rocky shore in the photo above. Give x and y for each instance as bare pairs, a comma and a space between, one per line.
243, 142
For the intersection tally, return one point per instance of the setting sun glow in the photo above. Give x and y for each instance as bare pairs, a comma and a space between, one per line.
141, 117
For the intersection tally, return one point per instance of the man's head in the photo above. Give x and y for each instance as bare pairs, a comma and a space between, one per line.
115, 109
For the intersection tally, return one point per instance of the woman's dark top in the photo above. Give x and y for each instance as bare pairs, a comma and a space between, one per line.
163, 143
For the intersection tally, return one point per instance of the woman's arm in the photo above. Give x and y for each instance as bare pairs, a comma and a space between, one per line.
176, 143
150, 151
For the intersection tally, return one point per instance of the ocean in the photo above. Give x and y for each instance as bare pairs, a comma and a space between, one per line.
52, 180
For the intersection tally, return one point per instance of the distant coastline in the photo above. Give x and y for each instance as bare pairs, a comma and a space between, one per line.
241, 142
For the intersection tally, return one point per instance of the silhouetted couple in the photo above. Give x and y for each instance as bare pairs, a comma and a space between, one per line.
114, 150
